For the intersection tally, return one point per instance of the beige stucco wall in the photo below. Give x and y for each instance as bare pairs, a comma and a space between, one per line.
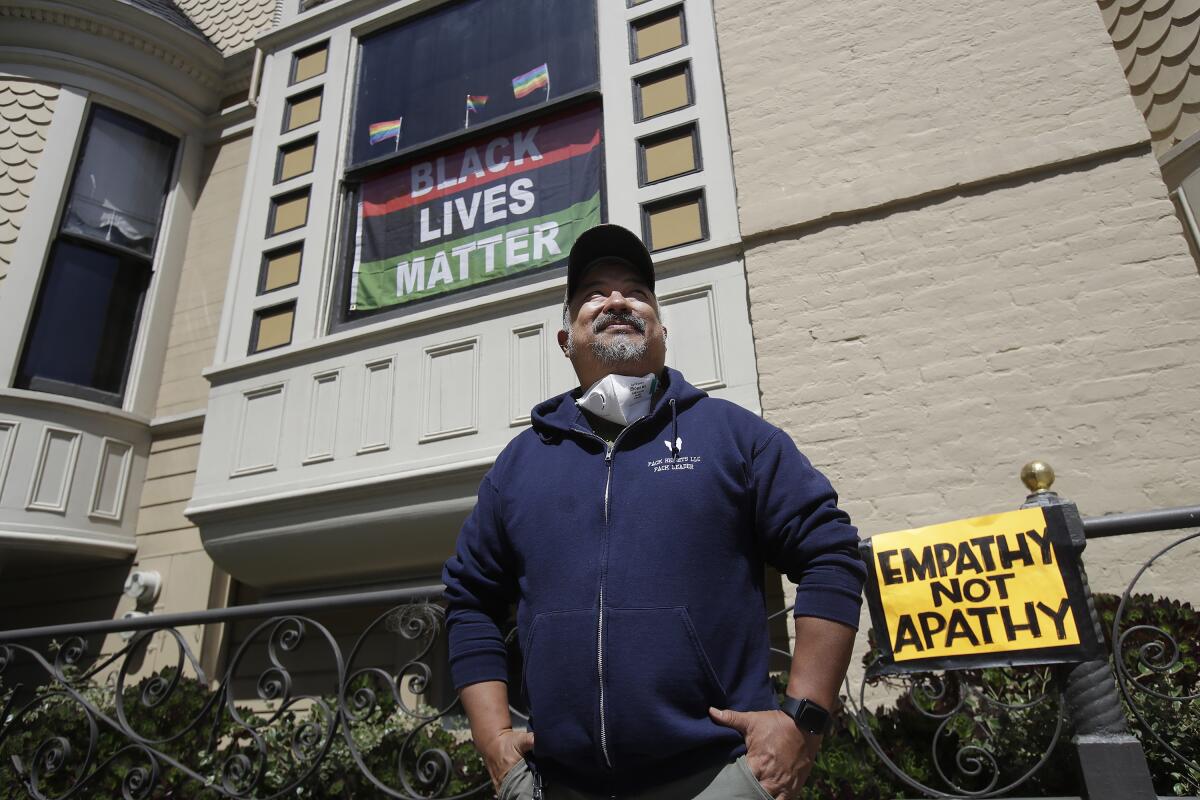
202, 285
961, 256
26, 108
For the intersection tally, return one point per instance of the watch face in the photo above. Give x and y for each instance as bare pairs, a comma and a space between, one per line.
811, 717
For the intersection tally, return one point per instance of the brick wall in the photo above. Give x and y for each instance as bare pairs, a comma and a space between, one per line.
961, 257
837, 107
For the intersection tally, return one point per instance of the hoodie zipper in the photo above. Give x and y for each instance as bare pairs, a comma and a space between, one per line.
608, 466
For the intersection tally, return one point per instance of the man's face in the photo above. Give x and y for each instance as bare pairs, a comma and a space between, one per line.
614, 325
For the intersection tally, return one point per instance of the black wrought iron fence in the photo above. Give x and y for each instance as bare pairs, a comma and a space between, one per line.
83, 725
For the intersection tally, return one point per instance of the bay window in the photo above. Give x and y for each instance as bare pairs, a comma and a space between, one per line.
81, 337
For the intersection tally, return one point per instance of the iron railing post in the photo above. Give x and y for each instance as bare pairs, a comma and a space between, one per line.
1112, 765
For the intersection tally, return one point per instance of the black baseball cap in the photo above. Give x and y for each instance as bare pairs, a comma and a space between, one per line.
607, 241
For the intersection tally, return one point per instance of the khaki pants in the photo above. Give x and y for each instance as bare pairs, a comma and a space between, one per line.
732, 782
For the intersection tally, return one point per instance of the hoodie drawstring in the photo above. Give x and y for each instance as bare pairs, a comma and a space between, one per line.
674, 430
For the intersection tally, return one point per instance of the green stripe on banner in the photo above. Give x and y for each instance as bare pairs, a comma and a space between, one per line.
481, 257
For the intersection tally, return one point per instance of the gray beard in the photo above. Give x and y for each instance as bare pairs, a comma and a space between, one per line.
620, 349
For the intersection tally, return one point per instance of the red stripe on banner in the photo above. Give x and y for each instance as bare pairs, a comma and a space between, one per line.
406, 200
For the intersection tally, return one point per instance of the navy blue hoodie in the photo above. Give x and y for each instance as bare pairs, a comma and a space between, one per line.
638, 576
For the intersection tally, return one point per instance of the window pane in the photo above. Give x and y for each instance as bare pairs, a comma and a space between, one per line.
508, 55
663, 92
87, 313
120, 181
676, 221
302, 110
669, 155
309, 63
273, 327
657, 34
280, 269
296, 159
288, 212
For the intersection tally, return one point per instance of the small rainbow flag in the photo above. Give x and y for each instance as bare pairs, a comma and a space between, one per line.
382, 131
536, 78
476, 102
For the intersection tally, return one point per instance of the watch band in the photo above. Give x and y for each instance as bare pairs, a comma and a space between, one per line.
809, 716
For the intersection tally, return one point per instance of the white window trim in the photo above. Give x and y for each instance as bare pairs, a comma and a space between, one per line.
40, 226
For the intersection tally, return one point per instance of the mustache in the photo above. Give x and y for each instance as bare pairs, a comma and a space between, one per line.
627, 318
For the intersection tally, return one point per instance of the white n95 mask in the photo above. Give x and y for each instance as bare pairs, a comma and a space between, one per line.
619, 398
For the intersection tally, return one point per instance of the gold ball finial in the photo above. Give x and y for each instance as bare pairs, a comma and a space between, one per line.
1038, 476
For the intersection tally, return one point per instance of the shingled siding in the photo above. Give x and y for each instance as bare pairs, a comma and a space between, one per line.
230, 24
26, 108
1156, 42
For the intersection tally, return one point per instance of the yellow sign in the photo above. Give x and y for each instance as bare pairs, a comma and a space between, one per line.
982, 585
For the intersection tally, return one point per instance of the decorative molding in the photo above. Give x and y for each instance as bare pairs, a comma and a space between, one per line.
258, 464
471, 425
374, 438
705, 296
109, 445
178, 424
207, 78
518, 409
9, 429
59, 504
318, 425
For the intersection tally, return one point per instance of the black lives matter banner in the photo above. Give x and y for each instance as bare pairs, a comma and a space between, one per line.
508, 203
998, 590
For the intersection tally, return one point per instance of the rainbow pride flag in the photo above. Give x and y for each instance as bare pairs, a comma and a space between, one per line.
476, 102
382, 131
536, 78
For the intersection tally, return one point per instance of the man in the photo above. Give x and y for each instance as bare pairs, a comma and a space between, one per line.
630, 525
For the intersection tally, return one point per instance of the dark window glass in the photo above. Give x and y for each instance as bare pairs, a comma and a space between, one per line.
84, 324
120, 181
85, 321
507, 56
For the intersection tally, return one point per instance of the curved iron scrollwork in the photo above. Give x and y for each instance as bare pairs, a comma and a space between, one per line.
964, 712
1151, 669
211, 741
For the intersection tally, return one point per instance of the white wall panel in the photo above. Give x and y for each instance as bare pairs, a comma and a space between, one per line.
325, 393
55, 468
527, 371
8, 440
258, 442
694, 337
112, 479
449, 400
375, 425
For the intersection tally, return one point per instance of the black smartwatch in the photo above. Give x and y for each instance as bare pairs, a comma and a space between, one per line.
809, 717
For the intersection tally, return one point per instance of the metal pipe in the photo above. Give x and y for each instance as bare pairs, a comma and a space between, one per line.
1160, 519
218, 615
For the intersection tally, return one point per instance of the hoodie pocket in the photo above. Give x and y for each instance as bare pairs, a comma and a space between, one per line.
560, 682
659, 684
